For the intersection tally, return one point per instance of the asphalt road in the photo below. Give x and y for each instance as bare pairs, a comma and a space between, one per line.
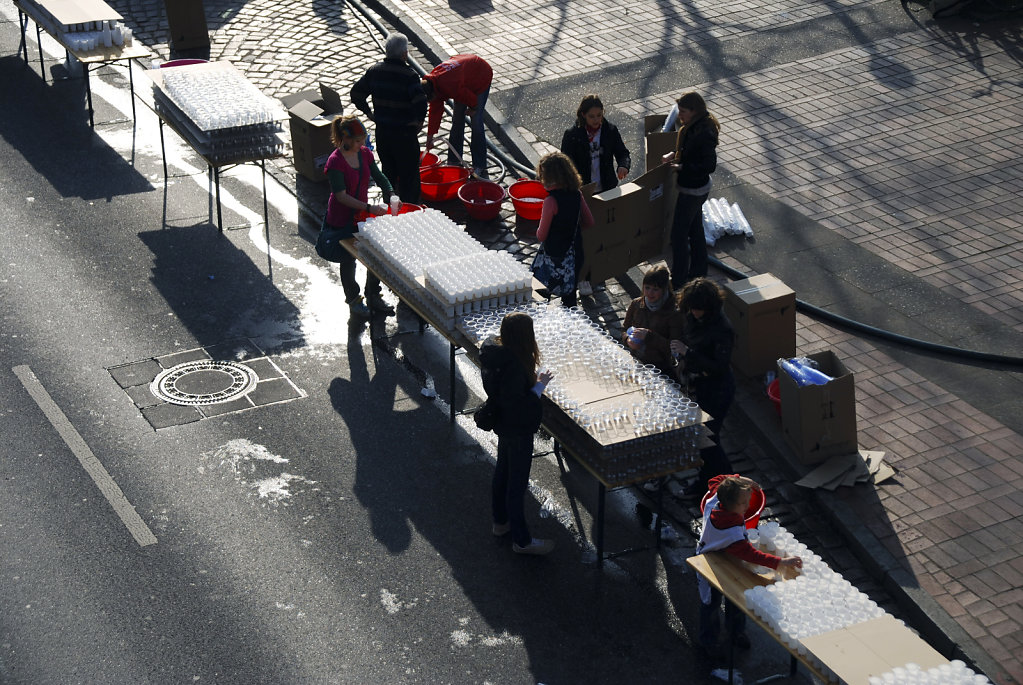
339, 537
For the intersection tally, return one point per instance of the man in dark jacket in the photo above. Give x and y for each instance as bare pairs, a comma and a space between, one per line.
466, 80
399, 110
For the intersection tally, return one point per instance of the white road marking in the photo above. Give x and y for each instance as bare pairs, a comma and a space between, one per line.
120, 504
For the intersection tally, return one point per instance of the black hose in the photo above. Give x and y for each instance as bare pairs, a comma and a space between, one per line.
849, 324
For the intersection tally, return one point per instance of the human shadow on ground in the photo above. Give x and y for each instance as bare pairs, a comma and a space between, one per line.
423, 481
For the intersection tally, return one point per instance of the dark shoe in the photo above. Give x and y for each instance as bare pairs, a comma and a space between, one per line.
359, 308
378, 305
500, 529
741, 640
536, 547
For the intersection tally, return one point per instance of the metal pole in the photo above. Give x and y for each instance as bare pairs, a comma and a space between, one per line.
88, 95
451, 380
601, 495
216, 182
266, 223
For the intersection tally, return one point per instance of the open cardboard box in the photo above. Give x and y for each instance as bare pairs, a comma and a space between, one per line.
819, 421
631, 224
762, 310
657, 144
312, 112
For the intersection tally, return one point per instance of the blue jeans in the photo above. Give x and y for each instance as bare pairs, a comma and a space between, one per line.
511, 480
478, 145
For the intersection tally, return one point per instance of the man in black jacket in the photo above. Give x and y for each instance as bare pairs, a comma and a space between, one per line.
399, 111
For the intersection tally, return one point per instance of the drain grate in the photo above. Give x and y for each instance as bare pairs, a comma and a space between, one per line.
203, 382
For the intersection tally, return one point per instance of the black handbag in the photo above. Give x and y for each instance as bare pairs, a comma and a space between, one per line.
486, 416
328, 243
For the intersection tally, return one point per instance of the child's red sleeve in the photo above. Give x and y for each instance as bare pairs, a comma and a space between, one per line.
747, 552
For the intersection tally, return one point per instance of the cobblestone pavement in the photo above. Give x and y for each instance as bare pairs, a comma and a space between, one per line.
907, 147
895, 148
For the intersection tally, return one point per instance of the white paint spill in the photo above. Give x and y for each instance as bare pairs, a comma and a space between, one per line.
392, 604
461, 637
249, 464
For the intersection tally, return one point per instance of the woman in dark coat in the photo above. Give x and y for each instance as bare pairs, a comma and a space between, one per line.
594, 144
510, 379
695, 159
705, 362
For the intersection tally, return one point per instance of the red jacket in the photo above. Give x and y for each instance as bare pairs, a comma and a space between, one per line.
460, 78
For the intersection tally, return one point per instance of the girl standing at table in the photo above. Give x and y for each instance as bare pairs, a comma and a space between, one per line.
349, 169
594, 145
509, 374
655, 321
563, 217
598, 152
695, 159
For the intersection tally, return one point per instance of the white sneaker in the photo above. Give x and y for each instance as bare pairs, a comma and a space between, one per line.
536, 546
585, 289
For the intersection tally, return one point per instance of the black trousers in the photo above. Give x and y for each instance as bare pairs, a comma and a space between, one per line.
398, 149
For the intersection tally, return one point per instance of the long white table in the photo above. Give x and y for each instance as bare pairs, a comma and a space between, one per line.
853, 654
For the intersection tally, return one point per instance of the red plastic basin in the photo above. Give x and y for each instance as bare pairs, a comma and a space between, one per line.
405, 208
753, 511
482, 199
527, 197
440, 183
774, 392
427, 160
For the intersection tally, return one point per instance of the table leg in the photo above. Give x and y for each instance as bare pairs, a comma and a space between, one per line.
601, 496
131, 85
39, 43
88, 95
659, 515
451, 380
163, 153
731, 644
23, 23
216, 184
266, 224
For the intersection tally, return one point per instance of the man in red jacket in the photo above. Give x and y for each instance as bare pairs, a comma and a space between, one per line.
466, 80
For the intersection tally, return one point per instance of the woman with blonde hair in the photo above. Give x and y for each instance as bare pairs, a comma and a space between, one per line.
349, 170
694, 159
563, 216
513, 385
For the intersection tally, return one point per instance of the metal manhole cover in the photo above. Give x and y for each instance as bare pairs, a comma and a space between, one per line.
203, 382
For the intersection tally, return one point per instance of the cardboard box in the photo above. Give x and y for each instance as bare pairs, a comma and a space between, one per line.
657, 144
819, 421
762, 310
186, 21
311, 113
631, 224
